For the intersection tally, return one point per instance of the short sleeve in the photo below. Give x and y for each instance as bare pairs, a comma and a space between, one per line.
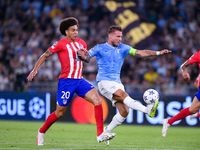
194, 58
127, 49
93, 51
55, 47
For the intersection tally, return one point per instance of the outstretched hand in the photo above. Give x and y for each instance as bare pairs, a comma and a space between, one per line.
165, 51
31, 75
186, 75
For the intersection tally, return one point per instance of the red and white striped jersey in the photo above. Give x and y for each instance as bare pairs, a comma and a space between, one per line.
71, 65
195, 58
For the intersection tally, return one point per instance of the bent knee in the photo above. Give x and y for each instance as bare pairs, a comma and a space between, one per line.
97, 101
59, 114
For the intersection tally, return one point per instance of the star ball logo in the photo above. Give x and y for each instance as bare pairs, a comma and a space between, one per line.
37, 107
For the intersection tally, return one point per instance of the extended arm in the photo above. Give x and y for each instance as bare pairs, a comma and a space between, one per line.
40, 61
185, 74
149, 53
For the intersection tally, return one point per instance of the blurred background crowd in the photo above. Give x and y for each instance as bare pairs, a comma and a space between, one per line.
29, 27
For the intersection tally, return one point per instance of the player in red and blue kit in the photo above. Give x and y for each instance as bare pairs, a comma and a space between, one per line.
195, 58
70, 79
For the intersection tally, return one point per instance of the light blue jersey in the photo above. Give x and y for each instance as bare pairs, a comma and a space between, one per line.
109, 60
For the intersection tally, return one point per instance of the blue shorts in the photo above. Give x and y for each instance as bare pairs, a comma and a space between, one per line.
198, 94
67, 88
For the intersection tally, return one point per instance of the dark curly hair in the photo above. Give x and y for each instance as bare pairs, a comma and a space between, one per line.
66, 23
114, 28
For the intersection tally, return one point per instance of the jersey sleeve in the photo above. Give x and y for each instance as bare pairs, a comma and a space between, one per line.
55, 47
127, 49
93, 51
194, 58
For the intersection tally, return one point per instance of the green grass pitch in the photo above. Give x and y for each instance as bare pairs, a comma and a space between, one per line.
63, 136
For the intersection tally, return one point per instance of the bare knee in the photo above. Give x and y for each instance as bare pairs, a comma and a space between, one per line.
93, 97
96, 101
59, 114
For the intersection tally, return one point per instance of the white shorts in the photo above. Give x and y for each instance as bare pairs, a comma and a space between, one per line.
107, 88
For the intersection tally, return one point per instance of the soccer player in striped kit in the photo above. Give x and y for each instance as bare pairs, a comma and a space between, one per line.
70, 79
195, 106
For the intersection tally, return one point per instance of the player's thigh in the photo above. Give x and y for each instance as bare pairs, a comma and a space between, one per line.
108, 88
122, 108
120, 95
88, 92
65, 92
93, 97
195, 105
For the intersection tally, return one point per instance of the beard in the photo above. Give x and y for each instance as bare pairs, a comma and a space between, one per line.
115, 44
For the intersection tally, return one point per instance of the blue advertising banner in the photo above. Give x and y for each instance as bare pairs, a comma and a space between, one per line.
24, 106
168, 107
134, 23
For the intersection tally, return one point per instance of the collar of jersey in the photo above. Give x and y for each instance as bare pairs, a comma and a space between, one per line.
111, 46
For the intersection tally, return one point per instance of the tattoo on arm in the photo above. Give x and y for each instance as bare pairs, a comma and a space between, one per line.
148, 53
143, 53
184, 65
48, 53
137, 53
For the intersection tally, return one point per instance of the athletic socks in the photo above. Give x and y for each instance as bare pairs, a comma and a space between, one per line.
98, 116
98, 111
131, 103
116, 121
50, 120
182, 114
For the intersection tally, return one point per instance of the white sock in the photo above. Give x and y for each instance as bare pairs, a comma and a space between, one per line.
133, 104
116, 121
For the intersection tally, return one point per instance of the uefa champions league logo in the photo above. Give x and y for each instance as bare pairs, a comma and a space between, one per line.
37, 107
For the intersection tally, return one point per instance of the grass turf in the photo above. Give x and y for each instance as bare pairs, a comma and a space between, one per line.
62, 136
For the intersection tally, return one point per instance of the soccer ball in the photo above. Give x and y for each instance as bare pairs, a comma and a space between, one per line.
150, 96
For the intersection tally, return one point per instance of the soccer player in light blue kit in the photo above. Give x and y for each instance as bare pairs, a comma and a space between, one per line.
110, 58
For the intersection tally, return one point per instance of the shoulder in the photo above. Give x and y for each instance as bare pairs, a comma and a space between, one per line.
194, 58
80, 41
124, 47
60, 42
99, 46
198, 53
195, 55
